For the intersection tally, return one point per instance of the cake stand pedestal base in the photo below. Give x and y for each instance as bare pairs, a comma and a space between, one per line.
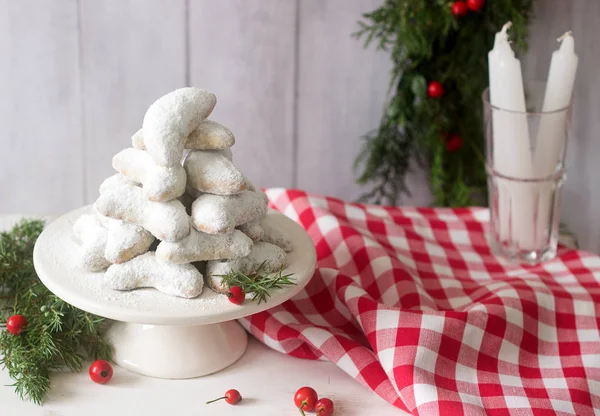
177, 352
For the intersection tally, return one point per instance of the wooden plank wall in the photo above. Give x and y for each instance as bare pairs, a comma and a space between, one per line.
76, 77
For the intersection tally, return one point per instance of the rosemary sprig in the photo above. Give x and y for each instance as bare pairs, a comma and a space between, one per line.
57, 335
260, 282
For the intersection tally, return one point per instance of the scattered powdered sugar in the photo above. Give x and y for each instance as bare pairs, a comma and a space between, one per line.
199, 246
218, 214
159, 183
57, 266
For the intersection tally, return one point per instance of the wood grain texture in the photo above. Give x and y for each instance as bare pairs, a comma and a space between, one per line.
40, 160
133, 52
581, 200
341, 94
582, 194
243, 51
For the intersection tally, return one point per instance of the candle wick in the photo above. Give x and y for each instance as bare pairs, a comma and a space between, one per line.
569, 33
506, 27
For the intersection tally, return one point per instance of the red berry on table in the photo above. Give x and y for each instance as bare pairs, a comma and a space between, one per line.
15, 324
306, 399
475, 5
454, 143
435, 89
101, 372
459, 8
324, 407
236, 295
231, 396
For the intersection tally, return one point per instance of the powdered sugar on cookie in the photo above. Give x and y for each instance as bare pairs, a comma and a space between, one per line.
93, 237
159, 183
271, 257
211, 171
199, 246
178, 202
170, 120
217, 214
165, 220
182, 280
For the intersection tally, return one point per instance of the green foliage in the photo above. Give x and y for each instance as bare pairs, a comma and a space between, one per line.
57, 335
259, 283
427, 43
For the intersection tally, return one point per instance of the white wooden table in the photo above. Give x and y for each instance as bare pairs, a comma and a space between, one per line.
266, 379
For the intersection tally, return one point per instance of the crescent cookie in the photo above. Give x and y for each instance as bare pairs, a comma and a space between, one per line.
93, 237
170, 120
218, 214
125, 240
253, 230
115, 181
182, 280
199, 246
209, 135
273, 258
159, 183
273, 235
165, 220
211, 171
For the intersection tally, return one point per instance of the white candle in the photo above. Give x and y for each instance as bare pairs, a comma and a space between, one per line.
511, 152
551, 137
559, 89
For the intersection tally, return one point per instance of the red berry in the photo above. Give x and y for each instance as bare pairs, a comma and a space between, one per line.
231, 396
15, 324
306, 399
475, 5
236, 295
459, 8
324, 407
454, 143
101, 371
435, 89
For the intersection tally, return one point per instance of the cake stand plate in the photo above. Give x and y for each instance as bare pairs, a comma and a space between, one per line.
156, 334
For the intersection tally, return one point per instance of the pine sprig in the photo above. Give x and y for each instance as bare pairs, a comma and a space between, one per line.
426, 43
57, 336
260, 282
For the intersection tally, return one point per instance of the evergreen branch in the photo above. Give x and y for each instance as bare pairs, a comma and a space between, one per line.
260, 282
57, 334
425, 43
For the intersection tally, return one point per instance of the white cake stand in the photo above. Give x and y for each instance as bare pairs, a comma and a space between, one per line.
156, 334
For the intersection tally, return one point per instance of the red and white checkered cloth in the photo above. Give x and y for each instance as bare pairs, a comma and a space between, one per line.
411, 303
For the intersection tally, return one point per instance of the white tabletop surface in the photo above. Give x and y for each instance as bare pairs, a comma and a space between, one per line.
266, 379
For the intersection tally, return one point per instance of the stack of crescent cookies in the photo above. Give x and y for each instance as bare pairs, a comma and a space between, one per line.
178, 210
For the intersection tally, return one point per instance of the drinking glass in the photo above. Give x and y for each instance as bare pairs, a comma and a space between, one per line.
525, 156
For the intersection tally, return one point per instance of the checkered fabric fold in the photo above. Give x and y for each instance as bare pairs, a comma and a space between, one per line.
411, 303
